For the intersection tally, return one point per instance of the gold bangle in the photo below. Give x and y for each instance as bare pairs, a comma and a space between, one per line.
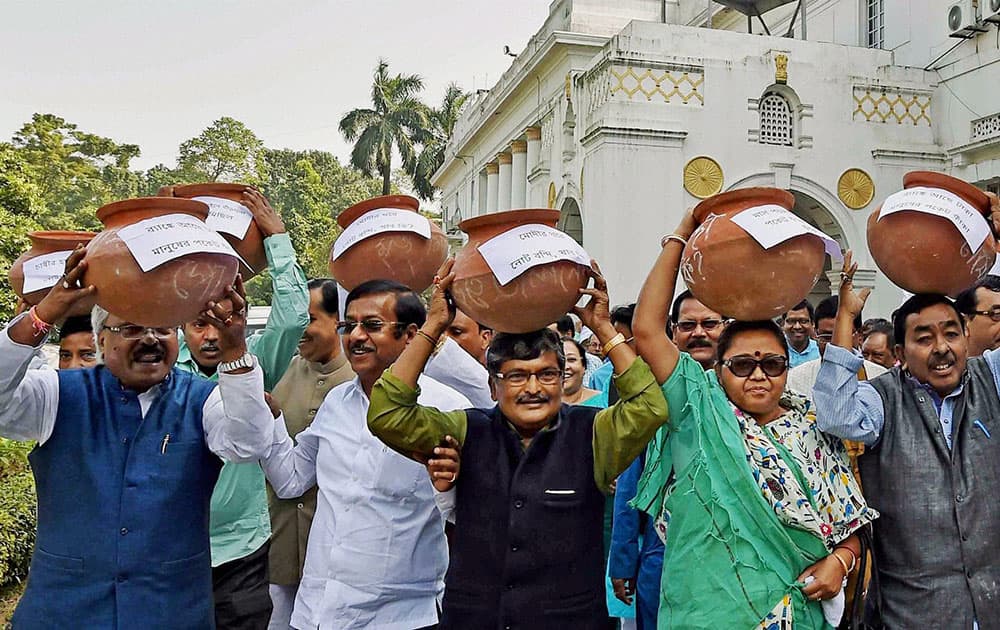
434, 342
614, 342
847, 571
673, 237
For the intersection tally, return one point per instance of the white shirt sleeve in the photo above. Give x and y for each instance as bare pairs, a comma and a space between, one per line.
452, 366
30, 397
445, 502
291, 466
238, 423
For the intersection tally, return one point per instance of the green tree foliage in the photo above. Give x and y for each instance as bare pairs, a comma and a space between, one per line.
14, 241
396, 120
17, 511
227, 151
73, 172
442, 121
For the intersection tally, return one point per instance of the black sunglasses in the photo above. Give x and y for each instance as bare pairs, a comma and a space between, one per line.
369, 325
743, 365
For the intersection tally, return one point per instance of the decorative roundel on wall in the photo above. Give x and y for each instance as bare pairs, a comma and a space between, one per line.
703, 177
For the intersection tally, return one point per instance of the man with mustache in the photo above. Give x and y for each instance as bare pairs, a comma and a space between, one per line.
980, 304
127, 457
931, 467
240, 524
635, 569
377, 553
528, 549
320, 366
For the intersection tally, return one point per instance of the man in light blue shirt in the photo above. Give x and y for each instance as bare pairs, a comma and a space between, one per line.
800, 330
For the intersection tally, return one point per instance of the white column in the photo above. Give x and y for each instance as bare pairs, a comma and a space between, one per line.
519, 174
533, 135
492, 174
503, 185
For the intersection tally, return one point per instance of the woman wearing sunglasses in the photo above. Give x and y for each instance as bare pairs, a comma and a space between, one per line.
761, 505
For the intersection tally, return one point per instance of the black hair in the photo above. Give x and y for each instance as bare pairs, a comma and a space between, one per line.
523, 347
675, 308
879, 325
737, 327
913, 306
623, 314
579, 348
804, 304
827, 309
329, 299
409, 308
966, 301
73, 325
565, 325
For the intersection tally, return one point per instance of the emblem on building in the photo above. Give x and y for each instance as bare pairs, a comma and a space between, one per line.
855, 188
781, 69
703, 177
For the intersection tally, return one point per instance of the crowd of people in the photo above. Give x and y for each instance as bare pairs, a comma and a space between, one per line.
378, 461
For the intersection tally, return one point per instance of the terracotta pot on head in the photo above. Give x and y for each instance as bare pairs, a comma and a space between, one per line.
924, 253
403, 256
171, 294
42, 243
251, 246
529, 302
731, 273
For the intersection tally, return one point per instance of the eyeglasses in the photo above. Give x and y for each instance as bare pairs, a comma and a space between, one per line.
369, 325
825, 337
992, 314
743, 365
517, 378
706, 324
791, 321
133, 331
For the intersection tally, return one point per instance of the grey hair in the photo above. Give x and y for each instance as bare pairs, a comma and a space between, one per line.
98, 316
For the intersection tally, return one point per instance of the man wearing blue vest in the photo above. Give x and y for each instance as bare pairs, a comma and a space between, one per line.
240, 525
528, 545
127, 457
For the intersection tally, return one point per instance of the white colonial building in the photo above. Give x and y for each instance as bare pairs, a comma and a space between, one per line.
623, 113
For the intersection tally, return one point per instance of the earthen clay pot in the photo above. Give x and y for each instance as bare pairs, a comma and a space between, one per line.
251, 246
728, 271
43, 243
529, 302
406, 257
923, 253
168, 295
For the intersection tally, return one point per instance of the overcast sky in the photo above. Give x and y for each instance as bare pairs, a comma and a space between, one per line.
155, 73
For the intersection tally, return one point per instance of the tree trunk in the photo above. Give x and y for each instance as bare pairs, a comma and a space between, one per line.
386, 173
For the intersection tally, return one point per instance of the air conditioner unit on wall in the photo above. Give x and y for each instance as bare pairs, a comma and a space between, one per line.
962, 19
990, 10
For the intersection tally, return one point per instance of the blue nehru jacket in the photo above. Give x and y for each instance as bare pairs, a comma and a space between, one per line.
122, 522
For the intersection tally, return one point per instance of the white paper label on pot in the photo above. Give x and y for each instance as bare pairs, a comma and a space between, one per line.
381, 220
162, 239
515, 251
227, 216
941, 203
772, 224
44, 271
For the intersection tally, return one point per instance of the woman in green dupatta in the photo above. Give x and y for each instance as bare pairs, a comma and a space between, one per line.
756, 506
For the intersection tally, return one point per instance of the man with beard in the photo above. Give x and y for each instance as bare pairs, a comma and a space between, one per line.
527, 550
320, 366
240, 525
636, 560
127, 456
931, 467
980, 304
377, 553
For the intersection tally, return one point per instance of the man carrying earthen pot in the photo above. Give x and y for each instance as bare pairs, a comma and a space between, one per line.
127, 457
240, 524
527, 549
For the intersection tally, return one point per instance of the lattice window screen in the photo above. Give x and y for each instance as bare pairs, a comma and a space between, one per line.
775, 120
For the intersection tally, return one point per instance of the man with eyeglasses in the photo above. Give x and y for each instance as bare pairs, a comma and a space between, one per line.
240, 523
696, 328
528, 549
127, 457
980, 304
377, 553
799, 327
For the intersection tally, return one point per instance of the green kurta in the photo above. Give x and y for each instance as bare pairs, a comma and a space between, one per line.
729, 560
240, 523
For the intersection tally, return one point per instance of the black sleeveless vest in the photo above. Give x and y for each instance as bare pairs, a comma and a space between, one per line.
936, 539
527, 550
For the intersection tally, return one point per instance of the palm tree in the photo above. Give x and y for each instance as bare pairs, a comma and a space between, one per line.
442, 122
396, 119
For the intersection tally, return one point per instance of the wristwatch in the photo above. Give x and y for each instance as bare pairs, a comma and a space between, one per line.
246, 361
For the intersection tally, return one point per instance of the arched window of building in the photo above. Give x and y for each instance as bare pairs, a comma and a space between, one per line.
775, 119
